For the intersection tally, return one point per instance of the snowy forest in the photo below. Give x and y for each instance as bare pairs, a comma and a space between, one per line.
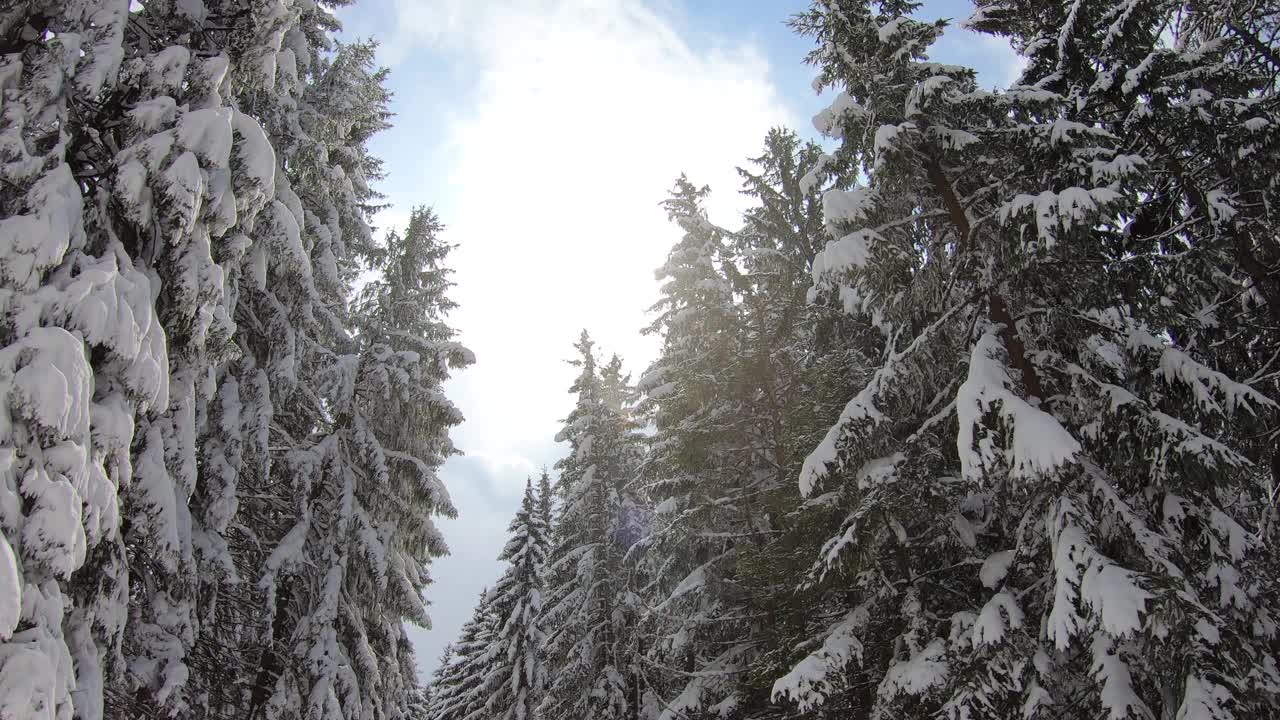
973, 415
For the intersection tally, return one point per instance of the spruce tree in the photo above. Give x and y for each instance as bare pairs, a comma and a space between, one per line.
176, 548
184, 216
545, 510
369, 488
694, 397
1187, 93
732, 399
82, 357
1029, 522
589, 614
125, 179
514, 673
457, 686
402, 318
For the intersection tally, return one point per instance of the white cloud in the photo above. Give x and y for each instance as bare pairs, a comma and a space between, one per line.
584, 115
1000, 56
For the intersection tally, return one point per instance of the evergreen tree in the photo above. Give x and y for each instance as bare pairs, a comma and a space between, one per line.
276, 71
82, 355
402, 318
164, 286
695, 399
1029, 521
589, 614
514, 674
355, 547
175, 541
545, 511
457, 686
1187, 92
732, 401
318, 110
126, 179
438, 675
1190, 93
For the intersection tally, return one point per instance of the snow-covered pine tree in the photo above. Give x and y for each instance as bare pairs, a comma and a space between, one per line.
799, 360
82, 358
694, 396
211, 185
892, 575
368, 488
319, 109
1191, 93
588, 614
701, 328
735, 412
457, 684
807, 355
184, 177
419, 704
437, 677
129, 259
732, 398
158, 264
546, 511
1033, 437
514, 673
292, 290
402, 319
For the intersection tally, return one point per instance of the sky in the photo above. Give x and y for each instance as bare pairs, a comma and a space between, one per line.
545, 133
